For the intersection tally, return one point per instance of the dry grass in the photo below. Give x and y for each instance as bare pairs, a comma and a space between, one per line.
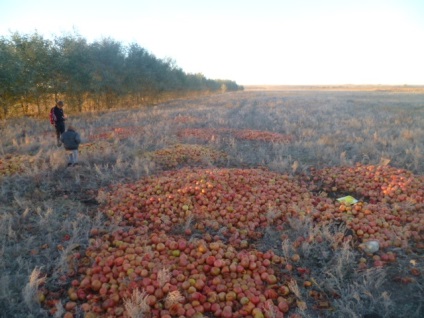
172, 298
329, 252
136, 306
163, 276
45, 201
30, 291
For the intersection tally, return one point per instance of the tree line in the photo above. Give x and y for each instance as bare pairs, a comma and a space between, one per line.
104, 74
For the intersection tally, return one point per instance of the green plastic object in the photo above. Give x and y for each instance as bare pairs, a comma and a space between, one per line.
347, 199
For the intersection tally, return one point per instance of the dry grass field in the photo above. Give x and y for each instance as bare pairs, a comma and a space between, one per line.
221, 206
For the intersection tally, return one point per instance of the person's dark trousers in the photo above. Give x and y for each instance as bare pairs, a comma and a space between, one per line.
60, 129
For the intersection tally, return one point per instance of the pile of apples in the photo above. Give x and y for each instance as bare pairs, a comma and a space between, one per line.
207, 275
203, 134
207, 134
99, 145
187, 239
116, 132
244, 201
376, 183
186, 154
185, 120
198, 224
14, 164
260, 135
390, 207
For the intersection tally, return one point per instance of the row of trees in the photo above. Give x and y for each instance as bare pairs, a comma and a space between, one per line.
34, 71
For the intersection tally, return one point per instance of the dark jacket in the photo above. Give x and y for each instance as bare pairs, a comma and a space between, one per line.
71, 139
58, 115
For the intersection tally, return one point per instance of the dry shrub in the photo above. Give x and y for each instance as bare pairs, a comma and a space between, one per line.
163, 276
30, 291
136, 306
173, 297
328, 251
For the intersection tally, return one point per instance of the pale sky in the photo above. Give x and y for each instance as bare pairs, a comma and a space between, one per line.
250, 42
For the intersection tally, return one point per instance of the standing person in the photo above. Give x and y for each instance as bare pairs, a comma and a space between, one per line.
58, 120
71, 140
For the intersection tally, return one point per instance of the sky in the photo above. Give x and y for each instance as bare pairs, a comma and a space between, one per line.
266, 42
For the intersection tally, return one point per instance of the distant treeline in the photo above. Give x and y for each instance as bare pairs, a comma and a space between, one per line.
35, 71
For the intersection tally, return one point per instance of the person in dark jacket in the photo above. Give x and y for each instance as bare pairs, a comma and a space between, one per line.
59, 118
71, 141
